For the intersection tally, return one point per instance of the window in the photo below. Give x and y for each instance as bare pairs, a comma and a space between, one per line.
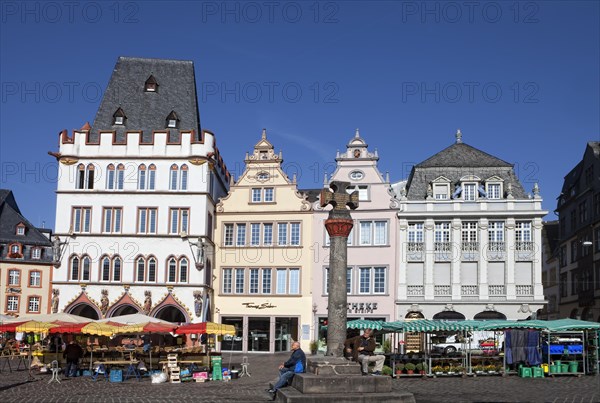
442, 232
469, 235
295, 234
563, 256
151, 177
523, 235
80, 219
282, 237
495, 232
112, 219
85, 176
263, 195
179, 220
441, 191
574, 282
573, 220
14, 277
363, 192
12, 303
119, 117
239, 281
147, 220
172, 120
356, 175
267, 234
120, 177
494, 191
266, 281
151, 85
74, 268
152, 270
184, 178
469, 191
379, 280
563, 285
20, 229
36, 253
140, 266
348, 280
85, 268
373, 232
415, 232
228, 235
183, 270
117, 262
15, 249
33, 304
142, 177
255, 234
597, 239
365, 280
227, 281
294, 281
105, 269
254, 281
583, 212
573, 251
281, 281
241, 235
172, 270
110, 177
173, 177
35, 278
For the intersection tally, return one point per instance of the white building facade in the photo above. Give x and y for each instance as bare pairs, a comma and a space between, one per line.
469, 239
136, 200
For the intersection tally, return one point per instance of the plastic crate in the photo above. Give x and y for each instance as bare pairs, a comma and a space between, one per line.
116, 375
575, 348
537, 372
557, 348
525, 372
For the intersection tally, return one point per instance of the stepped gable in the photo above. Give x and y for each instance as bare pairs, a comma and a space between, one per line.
457, 161
147, 111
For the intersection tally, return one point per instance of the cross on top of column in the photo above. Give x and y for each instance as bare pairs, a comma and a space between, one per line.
339, 198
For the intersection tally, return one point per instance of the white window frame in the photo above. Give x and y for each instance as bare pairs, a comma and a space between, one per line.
416, 232
12, 303
35, 278
363, 191
466, 191
492, 195
34, 301
441, 191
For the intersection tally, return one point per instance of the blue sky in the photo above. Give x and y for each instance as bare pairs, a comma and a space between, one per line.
520, 79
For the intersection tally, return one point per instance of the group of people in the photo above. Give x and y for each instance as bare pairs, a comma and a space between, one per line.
360, 349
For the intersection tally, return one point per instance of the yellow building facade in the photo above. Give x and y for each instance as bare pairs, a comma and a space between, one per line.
263, 257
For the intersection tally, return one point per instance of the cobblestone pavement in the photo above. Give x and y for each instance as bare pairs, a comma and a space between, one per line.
263, 368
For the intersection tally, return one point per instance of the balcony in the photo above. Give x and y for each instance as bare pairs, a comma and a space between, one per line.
442, 291
414, 251
470, 251
496, 290
496, 251
524, 290
524, 250
443, 251
415, 290
469, 290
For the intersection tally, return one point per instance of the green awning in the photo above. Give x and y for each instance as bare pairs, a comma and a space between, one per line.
364, 324
571, 324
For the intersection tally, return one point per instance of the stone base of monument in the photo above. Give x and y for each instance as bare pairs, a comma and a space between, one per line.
331, 379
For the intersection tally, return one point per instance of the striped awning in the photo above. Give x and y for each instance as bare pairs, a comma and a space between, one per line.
571, 324
514, 324
364, 324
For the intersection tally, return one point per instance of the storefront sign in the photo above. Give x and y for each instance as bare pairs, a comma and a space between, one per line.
264, 305
362, 307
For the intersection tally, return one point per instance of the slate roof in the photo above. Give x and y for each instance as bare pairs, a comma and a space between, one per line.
10, 216
573, 176
148, 111
460, 160
552, 235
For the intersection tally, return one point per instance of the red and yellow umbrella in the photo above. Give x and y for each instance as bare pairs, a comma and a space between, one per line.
206, 328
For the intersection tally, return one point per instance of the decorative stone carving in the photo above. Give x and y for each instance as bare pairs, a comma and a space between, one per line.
198, 303
55, 300
147, 302
104, 302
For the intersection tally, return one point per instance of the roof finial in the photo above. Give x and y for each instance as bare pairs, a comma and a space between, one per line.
264, 134
356, 134
325, 181
458, 137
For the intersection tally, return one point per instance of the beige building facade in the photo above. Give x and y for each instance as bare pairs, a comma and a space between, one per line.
263, 257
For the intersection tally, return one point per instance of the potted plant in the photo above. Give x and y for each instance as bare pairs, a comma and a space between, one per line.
399, 368
459, 369
313, 346
410, 368
387, 346
449, 370
386, 370
437, 369
422, 368
478, 369
490, 369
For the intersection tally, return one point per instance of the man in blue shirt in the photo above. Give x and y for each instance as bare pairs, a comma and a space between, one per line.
295, 364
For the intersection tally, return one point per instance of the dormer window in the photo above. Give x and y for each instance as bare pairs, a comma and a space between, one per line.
441, 188
36, 253
151, 85
493, 188
14, 251
21, 229
469, 191
172, 120
119, 117
470, 188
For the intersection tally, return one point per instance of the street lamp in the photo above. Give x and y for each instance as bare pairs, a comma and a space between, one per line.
197, 248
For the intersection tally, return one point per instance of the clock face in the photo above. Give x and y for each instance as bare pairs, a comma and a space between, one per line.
356, 175
262, 176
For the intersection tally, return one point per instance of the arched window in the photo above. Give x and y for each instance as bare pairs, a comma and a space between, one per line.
117, 269
183, 270
140, 266
85, 268
173, 177
142, 177
152, 269
110, 176
105, 268
120, 176
75, 268
184, 177
172, 270
151, 177
90, 176
80, 176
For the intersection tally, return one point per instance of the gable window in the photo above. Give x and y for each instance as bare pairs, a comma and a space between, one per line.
441, 191
151, 85
356, 175
494, 191
172, 120
263, 195
36, 253
363, 192
119, 117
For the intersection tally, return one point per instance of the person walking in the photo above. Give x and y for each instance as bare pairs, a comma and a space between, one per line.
361, 348
295, 364
73, 352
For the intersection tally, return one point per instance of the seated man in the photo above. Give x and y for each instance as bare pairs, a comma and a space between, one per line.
295, 364
361, 349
